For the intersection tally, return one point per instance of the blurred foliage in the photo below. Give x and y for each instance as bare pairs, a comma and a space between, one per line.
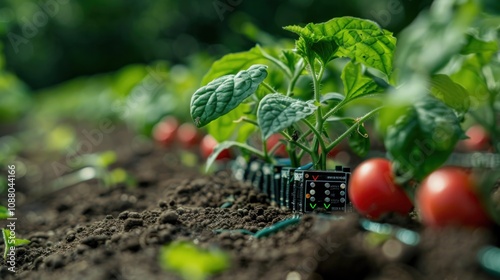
192, 262
50, 41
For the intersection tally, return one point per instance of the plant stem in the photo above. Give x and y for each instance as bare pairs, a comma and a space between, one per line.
318, 141
335, 109
352, 128
264, 149
300, 145
247, 120
268, 87
278, 63
248, 148
316, 132
494, 133
295, 77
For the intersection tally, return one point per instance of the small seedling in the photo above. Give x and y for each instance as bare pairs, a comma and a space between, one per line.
10, 242
191, 262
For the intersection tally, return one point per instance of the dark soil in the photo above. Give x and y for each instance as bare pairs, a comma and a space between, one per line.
89, 232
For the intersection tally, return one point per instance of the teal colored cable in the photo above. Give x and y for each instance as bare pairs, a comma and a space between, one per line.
276, 227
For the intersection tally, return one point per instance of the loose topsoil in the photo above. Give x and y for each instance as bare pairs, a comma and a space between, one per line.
90, 232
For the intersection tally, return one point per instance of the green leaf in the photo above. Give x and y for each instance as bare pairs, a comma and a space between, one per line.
17, 242
290, 58
325, 50
4, 212
361, 40
224, 94
192, 262
225, 128
359, 141
475, 45
356, 84
422, 139
451, 93
332, 96
277, 112
232, 63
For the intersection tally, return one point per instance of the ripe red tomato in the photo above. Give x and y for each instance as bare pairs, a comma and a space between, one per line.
447, 197
373, 192
207, 146
275, 140
164, 132
188, 135
479, 139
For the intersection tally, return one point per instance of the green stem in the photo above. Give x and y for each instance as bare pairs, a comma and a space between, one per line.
264, 149
247, 120
318, 141
248, 148
335, 109
278, 63
268, 87
300, 145
493, 127
352, 128
315, 131
295, 77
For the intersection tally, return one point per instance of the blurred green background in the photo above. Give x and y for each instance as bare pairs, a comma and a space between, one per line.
47, 42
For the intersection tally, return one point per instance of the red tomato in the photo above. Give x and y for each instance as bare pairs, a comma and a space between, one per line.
188, 135
207, 146
275, 140
447, 197
479, 139
373, 192
164, 132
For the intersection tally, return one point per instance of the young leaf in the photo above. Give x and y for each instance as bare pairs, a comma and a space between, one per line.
356, 84
277, 112
361, 40
423, 138
17, 242
224, 94
359, 140
451, 93
325, 50
232, 63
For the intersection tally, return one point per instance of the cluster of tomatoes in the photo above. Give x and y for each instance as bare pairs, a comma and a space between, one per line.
168, 132
447, 196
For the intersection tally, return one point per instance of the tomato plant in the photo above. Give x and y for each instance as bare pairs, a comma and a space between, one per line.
207, 145
236, 95
373, 191
448, 197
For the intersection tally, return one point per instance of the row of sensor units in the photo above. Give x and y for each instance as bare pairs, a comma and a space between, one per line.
298, 189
